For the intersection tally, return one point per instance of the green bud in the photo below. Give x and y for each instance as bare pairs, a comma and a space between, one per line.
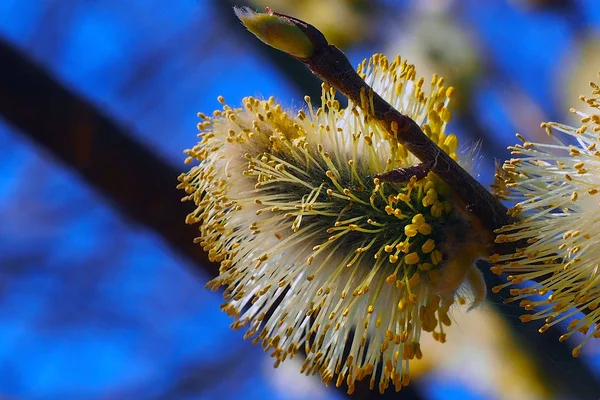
276, 31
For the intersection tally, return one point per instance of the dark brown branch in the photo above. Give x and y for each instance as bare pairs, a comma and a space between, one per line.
400, 175
331, 65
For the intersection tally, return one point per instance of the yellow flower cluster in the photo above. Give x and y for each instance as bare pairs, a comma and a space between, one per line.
317, 254
555, 187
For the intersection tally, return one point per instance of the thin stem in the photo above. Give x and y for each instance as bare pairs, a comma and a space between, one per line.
399, 175
332, 66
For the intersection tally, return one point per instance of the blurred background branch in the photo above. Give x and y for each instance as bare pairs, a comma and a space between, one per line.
138, 182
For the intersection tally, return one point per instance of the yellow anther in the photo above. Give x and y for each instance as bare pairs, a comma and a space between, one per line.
436, 257
452, 143
526, 318
418, 219
403, 247
411, 258
437, 209
428, 246
445, 116
424, 229
425, 266
411, 230
414, 280
430, 198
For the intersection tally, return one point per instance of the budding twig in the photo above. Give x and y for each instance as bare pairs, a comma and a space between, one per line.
290, 35
399, 175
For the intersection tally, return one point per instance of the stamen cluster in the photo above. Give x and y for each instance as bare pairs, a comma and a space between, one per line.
555, 187
317, 254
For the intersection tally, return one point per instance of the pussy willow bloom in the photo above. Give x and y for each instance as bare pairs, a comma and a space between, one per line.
316, 253
555, 186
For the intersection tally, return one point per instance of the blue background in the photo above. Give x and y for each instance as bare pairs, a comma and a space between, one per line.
93, 306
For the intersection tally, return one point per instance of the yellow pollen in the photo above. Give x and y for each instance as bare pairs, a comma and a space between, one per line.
411, 230
411, 258
414, 280
418, 219
428, 246
424, 229
436, 257
425, 266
